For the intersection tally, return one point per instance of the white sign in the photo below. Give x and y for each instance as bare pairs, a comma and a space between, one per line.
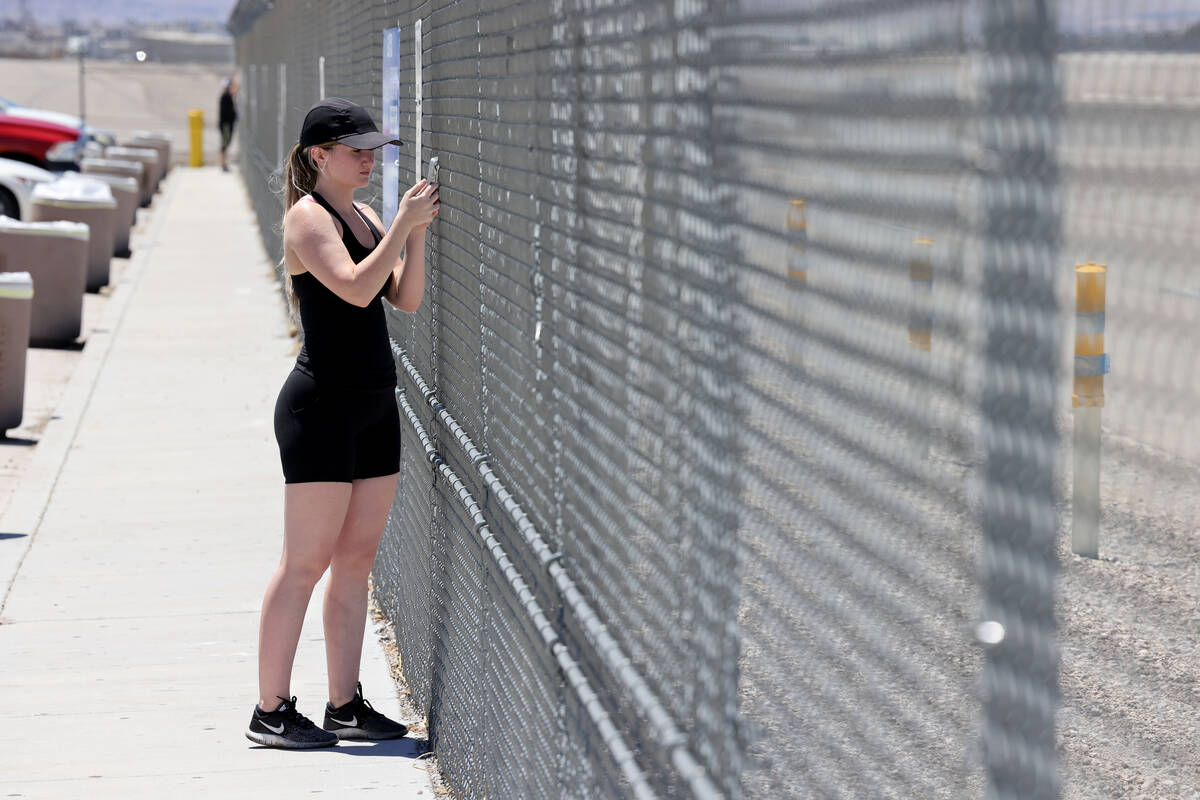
391, 124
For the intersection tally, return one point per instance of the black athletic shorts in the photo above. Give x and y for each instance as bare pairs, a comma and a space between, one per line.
338, 435
226, 135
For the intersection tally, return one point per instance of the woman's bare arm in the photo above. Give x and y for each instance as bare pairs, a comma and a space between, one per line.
408, 276
311, 236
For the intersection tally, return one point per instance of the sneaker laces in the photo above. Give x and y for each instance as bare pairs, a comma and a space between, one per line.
292, 715
360, 705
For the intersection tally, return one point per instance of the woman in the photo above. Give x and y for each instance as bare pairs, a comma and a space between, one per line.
336, 420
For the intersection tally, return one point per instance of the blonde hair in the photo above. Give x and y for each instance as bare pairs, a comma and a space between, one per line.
300, 175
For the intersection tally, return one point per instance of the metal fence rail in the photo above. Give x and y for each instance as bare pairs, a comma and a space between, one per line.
746, 354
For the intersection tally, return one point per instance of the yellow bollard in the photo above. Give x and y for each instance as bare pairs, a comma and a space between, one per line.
920, 333
1091, 365
920, 275
196, 128
797, 225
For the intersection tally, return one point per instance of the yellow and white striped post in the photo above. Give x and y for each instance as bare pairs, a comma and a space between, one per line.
1087, 398
920, 324
920, 275
797, 226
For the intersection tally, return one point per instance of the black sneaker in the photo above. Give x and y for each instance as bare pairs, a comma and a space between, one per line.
286, 727
358, 720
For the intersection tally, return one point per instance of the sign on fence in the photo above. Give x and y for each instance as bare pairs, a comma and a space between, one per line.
391, 123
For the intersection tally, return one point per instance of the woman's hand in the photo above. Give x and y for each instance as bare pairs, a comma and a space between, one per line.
419, 205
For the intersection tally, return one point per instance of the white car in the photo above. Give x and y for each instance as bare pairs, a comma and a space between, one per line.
17, 180
15, 109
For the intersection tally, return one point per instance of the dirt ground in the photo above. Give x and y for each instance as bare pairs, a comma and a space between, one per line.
123, 97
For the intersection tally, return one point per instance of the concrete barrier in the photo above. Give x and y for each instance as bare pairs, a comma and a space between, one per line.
16, 292
127, 193
160, 143
146, 156
55, 255
77, 199
114, 166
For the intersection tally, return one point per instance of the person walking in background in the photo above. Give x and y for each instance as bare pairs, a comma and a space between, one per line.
227, 116
336, 419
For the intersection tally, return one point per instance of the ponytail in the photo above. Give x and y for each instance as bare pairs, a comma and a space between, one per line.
299, 174
299, 179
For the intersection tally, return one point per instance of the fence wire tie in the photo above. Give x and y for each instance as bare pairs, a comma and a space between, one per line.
481, 458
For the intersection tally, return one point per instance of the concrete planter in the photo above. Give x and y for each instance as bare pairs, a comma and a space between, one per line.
160, 143
127, 193
55, 256
90, 202
147, 157
16, 294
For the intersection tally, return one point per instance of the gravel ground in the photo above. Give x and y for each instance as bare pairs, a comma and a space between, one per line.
123, 97
1130, 634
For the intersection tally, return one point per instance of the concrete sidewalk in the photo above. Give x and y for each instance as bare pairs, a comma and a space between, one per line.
136, 548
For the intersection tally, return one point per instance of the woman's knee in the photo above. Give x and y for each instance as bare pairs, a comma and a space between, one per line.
353, 563
302, 573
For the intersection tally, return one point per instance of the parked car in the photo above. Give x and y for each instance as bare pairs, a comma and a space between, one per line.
41, 143
17, 180
71, 121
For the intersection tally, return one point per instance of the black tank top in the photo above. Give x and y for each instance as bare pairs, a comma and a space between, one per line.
344, 345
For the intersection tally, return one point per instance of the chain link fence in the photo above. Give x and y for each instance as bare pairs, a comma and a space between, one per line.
739, 445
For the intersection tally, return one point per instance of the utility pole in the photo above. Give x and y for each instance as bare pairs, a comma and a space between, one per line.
25, 19
82, 92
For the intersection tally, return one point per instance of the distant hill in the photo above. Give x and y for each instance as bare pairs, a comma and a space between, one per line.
117, 12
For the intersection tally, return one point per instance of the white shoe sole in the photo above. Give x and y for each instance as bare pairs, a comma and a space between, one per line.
272, 740
359, 733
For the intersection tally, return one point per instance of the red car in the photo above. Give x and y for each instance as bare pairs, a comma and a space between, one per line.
44, 144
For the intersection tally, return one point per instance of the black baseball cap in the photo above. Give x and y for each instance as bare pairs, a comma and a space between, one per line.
336, 120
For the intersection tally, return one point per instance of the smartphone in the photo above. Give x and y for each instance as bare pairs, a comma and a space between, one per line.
433, 172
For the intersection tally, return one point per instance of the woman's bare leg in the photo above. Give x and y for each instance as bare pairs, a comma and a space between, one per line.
345, 612
314, 514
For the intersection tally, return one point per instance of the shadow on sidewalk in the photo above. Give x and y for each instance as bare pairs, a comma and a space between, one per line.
74, 345
16, 441
394, 748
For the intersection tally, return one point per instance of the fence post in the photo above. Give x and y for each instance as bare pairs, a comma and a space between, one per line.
1087, 399
1019, 232
281, 118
